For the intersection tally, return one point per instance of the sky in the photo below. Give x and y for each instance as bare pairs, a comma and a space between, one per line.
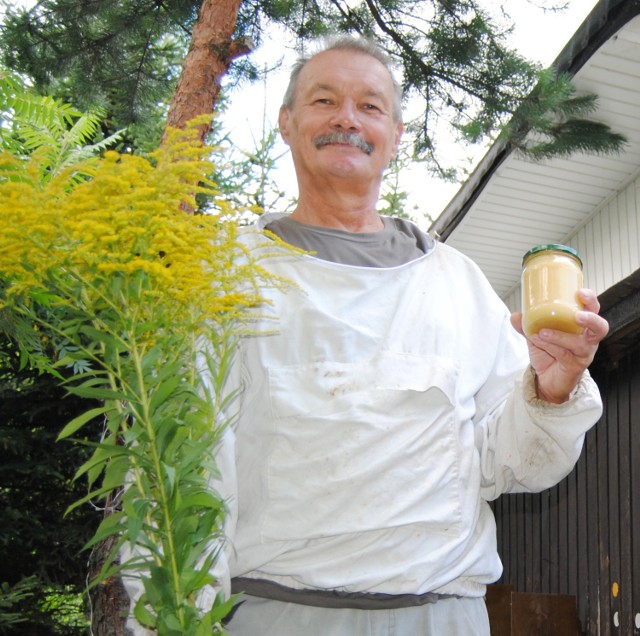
538, 35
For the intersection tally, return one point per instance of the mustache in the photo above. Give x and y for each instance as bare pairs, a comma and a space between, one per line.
336, 137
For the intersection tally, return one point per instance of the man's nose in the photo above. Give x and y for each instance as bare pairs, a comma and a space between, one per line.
345, 116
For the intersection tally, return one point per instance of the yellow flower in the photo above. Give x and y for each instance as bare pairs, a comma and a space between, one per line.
126, 221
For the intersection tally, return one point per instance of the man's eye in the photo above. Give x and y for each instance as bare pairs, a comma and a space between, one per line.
370, 107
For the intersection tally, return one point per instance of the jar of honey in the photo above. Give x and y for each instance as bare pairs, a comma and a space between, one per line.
551, 278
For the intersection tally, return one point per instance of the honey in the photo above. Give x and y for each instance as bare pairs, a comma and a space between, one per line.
551, 278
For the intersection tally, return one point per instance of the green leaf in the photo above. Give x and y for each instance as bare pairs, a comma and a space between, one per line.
100, 336
103, 453
46, 298
194, 581
222, 607
97, 393
110, 525
111, 567
204, 627
136, 512
116, 471
165, 389
169, 472
78, 422
202, 500
158, 585
143, 615
171, 622
94, 494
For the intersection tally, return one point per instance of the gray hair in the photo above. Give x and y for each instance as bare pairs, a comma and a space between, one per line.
347, 43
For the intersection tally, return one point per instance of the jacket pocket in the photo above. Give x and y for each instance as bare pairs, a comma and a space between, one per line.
363, 446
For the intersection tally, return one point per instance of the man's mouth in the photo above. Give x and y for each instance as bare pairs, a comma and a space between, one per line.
351, 139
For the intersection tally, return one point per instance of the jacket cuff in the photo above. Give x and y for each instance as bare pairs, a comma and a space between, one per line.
531, 395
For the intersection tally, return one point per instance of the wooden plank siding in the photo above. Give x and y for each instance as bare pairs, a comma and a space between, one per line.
582, 537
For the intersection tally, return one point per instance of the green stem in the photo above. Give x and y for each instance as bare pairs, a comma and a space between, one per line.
163, 499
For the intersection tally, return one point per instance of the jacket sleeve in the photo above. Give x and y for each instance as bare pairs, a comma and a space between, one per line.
526, 444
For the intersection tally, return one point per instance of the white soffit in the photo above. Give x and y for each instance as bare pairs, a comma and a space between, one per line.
525, 203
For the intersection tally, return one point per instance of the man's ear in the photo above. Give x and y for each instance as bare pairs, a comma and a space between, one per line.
283, 123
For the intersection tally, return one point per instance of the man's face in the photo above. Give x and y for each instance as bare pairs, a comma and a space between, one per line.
341, 122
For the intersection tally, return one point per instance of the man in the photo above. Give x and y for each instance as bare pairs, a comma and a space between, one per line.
390, 399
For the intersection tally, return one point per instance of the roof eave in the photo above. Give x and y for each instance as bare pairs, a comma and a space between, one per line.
606, 18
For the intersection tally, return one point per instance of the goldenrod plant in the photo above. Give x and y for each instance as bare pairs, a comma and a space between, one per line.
106, 283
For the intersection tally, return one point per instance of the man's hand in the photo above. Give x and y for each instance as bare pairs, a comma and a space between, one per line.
559, 358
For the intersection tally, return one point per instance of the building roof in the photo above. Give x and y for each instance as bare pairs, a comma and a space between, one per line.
510, 203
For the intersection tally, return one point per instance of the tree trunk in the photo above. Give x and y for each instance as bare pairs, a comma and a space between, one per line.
109, 600
211, 52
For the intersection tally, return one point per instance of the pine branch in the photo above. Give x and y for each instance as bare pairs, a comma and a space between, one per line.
552, 121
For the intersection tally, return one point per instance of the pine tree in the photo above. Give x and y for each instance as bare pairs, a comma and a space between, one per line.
126, 56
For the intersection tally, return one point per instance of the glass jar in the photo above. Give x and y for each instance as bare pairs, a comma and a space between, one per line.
551, 278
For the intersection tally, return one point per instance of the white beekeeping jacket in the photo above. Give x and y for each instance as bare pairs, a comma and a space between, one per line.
380, 409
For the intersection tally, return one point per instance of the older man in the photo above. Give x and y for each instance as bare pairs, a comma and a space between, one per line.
393, 399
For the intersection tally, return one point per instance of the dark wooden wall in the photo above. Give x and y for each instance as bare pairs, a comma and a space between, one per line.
582, 537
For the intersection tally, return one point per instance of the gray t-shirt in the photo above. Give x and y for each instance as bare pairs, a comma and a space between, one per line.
399, 242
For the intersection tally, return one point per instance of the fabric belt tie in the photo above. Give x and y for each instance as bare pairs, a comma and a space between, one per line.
263, 588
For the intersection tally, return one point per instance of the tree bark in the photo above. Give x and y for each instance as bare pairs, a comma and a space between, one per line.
109, 600
211, 52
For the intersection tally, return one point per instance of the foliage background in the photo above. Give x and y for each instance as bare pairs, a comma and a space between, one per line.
39, 546
125, 56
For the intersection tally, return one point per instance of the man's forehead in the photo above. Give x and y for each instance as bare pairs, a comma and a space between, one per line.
327, 68
330, 56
